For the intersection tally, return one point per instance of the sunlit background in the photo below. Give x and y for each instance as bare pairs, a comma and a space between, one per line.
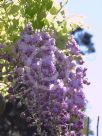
92, 12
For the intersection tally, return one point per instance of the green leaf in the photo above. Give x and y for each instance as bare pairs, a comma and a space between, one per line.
49, 5
41, 16
14, 9
31, 11
15, 22
53, 10
61, 40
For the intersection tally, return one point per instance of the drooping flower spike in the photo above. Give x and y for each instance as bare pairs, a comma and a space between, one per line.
51, 82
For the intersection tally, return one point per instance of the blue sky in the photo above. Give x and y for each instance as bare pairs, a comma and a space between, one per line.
92, 12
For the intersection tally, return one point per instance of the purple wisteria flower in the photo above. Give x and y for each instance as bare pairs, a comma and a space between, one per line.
51, 82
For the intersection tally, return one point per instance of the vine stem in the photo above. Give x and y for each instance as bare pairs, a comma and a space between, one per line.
98, 126
88, 121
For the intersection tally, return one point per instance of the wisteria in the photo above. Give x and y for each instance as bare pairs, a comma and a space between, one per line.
49, 83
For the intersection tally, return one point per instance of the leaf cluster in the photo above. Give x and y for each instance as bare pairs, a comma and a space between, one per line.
43, 14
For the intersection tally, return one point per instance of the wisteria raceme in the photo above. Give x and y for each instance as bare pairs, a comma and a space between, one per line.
51, 83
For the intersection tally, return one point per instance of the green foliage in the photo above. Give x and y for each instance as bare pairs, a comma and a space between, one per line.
14, 14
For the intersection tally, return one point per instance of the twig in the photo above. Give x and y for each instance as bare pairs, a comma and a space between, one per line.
98, 126
88, 126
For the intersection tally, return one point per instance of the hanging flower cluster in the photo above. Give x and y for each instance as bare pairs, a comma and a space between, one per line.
50, 83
